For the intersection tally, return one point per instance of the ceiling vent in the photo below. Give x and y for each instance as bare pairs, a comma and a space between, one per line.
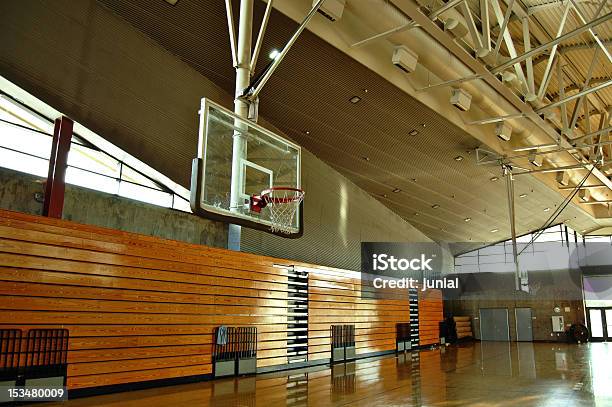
405, 59
503, 131
536, 159
461, 99
563, 178
331, 9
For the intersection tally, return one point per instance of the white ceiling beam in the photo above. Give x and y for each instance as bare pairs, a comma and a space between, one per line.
509, 44
542, 109
471, 24
451, 4
553, 4
564, 49
583, 92
380, 36
597, 186
599, 132
529, 60
560, 80
551, 57
583, 20
539, 49
502, 28
485, 21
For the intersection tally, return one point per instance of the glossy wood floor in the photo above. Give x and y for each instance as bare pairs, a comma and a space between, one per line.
480, 374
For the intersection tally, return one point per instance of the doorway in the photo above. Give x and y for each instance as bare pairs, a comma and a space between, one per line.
600, 324
494, 324
524, 328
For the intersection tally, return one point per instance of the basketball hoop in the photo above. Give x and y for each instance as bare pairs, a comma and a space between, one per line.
282, 202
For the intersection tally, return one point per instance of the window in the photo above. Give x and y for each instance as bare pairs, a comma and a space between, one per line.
25, 146
533, 248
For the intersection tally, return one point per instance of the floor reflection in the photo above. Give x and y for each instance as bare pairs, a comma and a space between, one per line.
480, 374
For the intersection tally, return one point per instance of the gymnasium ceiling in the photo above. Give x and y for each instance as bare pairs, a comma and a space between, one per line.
448, 198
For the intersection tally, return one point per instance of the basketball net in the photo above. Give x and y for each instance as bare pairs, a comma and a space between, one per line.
283, 205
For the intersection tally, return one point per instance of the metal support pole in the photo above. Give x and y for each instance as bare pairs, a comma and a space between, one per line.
253, 91
55, 186
510, 191
241, 108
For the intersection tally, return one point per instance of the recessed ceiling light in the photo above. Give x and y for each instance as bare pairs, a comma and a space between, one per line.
365, 90
414, 180
274, 54
459, 158
355, 99
307, 132
413, 133
423, 125
384, 195
523, 196
467, 219
546, 209
416, 214
494, 179
435, 206
365, 158
494, 230
172, 2
396, 190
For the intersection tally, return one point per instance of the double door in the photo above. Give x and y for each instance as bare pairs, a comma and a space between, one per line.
600, 323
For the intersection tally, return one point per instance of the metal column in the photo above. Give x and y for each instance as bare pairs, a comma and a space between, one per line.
55, 186
241, 108
510, 190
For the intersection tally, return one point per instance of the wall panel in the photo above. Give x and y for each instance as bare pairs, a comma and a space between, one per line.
142, 308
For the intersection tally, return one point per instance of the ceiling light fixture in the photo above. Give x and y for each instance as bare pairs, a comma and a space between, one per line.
467, 219
546, 209
494, 230
355, 99
435, 206
274, 54
396, 190
384, 195
523, 196
172, 2
459, 158
413, 133
365, 158
494, 179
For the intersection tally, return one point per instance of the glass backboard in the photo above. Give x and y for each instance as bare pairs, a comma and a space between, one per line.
265, 160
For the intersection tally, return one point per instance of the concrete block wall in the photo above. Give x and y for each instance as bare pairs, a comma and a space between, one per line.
21, 192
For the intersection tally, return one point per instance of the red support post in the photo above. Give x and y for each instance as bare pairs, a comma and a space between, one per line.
55, 186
